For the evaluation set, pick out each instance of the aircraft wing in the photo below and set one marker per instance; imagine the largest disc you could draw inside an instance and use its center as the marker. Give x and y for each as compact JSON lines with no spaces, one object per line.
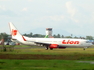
{"x":41,"y":43}
{"x":50,"y":45}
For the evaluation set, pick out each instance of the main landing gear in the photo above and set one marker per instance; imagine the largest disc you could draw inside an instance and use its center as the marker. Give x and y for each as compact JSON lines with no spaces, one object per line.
{"x":48,"y":48}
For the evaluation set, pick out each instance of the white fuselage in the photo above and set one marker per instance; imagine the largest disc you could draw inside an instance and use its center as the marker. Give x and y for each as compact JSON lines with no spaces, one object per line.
{"x":64,"y":42}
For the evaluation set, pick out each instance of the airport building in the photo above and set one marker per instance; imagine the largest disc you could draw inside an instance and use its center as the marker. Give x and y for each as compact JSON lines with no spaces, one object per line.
{"x":49,"y":32}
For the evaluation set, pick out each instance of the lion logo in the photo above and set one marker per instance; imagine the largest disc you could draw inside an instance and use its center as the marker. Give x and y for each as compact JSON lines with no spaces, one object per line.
{"x":14,"y":32}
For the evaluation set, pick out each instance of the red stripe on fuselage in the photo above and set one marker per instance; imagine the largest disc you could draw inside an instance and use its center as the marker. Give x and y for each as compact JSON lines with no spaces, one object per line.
{"x":23,"y":38}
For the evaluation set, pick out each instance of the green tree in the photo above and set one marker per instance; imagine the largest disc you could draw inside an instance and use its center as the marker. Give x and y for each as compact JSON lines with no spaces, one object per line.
{"x":58,"y":36}
{"x":54,"y":36}
{"x":90,"y":37}
{"x":62,"y":36}
{"x":68,"y":37}
{"x":75,"y":37}
{"x":28,"y":35}
{"x":4,"y":36}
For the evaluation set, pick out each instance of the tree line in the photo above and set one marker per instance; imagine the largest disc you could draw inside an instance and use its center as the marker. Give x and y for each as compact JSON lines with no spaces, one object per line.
{"x":6,"y":37}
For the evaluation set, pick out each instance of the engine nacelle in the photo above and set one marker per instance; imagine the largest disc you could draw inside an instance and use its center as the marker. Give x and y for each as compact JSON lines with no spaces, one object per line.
{"x":61,"y":47}
{"x":53,"y":46}
{"x":56,"y":46}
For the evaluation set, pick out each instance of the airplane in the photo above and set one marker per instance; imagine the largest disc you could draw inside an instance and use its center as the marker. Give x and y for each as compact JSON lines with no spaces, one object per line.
{"x":1,"y":41}
{"x":49,"y":42}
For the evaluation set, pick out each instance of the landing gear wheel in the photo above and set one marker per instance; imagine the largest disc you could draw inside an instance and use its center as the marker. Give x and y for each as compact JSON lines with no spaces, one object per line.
{"x":51,"y":48}
{"x":46,"y":48}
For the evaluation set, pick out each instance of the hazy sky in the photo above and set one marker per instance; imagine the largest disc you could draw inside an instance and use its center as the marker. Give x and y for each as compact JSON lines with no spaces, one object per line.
{"x":64,"y":16}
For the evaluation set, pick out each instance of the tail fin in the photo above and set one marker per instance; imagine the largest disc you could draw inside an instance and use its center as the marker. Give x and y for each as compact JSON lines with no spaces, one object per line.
{"x":46,"y":36}
{"x":15,"y":33}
